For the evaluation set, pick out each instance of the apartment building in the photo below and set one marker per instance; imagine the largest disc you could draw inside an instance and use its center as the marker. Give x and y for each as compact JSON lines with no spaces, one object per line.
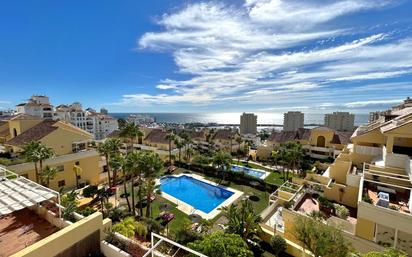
{"x":69,"y":144}
{"x":292,"y":121}
{"x":395,"y":111}
{"x":100,"y":125}
{"x":37,"y":105}
{"x":371,"y":177}
{"x":248,"y":124}
{"x":341,"y":121}
{"x":320,"y":142}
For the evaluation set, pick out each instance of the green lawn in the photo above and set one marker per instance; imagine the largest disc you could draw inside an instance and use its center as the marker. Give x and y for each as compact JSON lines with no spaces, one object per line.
{"x":180,"y":218}
{"x":275,"y":177}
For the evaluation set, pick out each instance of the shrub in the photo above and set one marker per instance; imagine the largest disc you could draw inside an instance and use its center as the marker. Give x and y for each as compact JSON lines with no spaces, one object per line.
{"x":87,"y":211}
{"x":324,"y":202}
{"x":367,"y":199}
{"x":278,"y":244}
{"x":341,"y":211}
{"x":90,"y":191}
{"x":317,"y":215}
{"x":141,"y":229}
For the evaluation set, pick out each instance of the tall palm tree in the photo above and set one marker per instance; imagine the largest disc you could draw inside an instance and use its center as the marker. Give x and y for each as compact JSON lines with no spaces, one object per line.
{"x":239,"y":142}
{"x":179,"y":144}
{"x":170,"y":138}
{"x":47,"y":175}
{"x":30,"y":153}
{"x":77,"y":171}
{"x":117,"y":163}
{"x":131,"y":131}
{"x":222,"y":161}
{"x":153,"y":167}
{"x":107,"y":149}
{"x":44,"y":153}
{"x":135,"y":166}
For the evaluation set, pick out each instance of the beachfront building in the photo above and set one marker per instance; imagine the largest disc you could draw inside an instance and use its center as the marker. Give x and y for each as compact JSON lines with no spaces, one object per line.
{"x":371,"y":178}
{"x":248,"y":124}
{"x":37,"y":105}
{"x":100,"y":125}
{"x":341,"y":121}
{"x":69,"y":144}
{"x":395,"y":111}
{"x":320,"y":143}
{"x":292,"y":121}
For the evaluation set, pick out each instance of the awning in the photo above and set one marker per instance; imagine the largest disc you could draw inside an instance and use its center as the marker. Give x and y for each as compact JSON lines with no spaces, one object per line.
{"x":17,"y":192}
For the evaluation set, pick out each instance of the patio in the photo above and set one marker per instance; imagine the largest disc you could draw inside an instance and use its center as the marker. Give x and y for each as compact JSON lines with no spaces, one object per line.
{"x":21,"y":229}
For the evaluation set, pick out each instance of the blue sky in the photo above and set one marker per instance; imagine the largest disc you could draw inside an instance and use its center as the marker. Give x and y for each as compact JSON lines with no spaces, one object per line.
{"x":191,"y":56}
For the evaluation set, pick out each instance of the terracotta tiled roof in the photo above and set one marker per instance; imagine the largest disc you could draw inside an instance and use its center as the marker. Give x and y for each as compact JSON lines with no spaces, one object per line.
{"x":23,"y":116}
{"x":198,"y":135}
{"x":342,"y":138}
{"x":2,"y":122}
{"x":157,"y":136}
{"x":4,"y":132}
{"x":303,"y":134}
{"x":283,"y":136}
{"x":224,"y":134}
{"x":34,"y":134}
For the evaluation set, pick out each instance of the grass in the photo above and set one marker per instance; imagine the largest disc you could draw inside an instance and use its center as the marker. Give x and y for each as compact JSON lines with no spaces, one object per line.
{"x":180,"y":219}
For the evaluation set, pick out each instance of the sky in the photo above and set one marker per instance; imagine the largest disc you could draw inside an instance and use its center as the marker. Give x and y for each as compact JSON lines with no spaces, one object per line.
{"x":208,"y":56}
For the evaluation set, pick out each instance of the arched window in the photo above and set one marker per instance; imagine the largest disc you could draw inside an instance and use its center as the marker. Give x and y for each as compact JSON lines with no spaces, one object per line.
{"x":14,"y":132}
{"x":321,"y":141}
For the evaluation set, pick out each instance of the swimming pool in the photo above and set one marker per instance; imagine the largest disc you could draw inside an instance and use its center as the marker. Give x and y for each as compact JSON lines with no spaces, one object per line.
{"x":251,"y":172}
{"x":194,"y":192}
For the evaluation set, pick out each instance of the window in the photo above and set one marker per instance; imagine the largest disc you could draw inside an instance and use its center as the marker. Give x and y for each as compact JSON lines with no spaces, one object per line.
{"x":77,"y":163}
{"x":60,"y":168}
{"x":14,"y":132}
{"x":61,"y":183}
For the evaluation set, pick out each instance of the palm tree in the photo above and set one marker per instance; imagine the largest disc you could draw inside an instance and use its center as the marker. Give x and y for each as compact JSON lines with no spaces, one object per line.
{"x":242,"y":220}
{"x":239,"y":142}
{"x":153,"y":165}
{"x":131,"y":131}
{"x":77,"y":171}
{"x":275,"y":157}
{"x":30,"y":153}
{"x":222,"y":161}
{"x":179,"y":144}
{"x":170,"y":137}
{"x":44,"y":153}
{"x":47,"y":175}
{"x":109,"y":148}
{"x":117,"y":163}
{"x":135,"y":166}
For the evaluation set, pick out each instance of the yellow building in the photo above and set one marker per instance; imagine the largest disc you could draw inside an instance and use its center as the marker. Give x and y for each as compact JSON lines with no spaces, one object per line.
{"x":371,"y":178}
{"x":320,"y":143}
{"x":65,"y":140}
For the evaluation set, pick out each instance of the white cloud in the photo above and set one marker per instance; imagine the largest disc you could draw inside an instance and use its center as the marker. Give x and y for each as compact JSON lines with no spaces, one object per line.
{"x":372,"y":102}
{"x":260,"y":49}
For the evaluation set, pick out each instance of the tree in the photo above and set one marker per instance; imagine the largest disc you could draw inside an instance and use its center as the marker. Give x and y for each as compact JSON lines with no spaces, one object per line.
{"x":219,"y":244}
{"x":238,"y":151}
{"x":117,"y":163}
{"x":47,"y":175}
{"x":201,"y":160}
{"x":125,"y":227}
{"x":242,"y":219}
{"x":44,"y":153}
{"x":179,"y":144}
{"x":135,"y":167}
{"x":153,"y":165}
{"x":319,"y":238}
{"x":30,"y":153}
{"x":222,"y":161}
{"x":107,"y":149}
{"x":278,"y":244}
{"x":170,"y":138}
{"x":131,"y":131}
{"x":389,"y":252}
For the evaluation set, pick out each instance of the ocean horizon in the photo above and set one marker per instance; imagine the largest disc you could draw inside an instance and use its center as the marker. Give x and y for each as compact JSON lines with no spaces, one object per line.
{"x":231,"y":118}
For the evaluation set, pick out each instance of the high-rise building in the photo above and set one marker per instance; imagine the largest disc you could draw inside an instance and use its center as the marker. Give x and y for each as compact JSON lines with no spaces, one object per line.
{"x":37,"y":105}
{"x":341,"y":121}
{"x":293,"y":121}
{"x":248,"y":123}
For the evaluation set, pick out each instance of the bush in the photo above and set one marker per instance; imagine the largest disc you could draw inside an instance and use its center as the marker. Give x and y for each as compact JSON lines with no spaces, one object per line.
{"x":341,"y":211}
{"x":325,"y":203}
{"x":367,"y":199}
{"x":90,"y":191}
{"x":278,"y":244}
{"x":141,"y":229}
{"x":317,"y":215}
{"x":87,"y":211}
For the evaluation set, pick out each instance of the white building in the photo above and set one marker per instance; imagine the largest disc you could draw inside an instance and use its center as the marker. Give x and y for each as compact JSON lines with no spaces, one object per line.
{"x":98,"y":124}
{"x":292,"y":121}
{"x":37,"y":105}
{"x":248,"y":123}
{"x":341,"y":121}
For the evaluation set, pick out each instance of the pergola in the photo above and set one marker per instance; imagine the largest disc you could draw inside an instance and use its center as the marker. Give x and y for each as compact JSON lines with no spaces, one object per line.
{"x":156,"y":247}
{"x":18,"y":192}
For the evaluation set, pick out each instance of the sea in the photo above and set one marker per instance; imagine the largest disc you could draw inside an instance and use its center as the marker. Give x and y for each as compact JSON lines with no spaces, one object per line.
{"x":232,"y":118}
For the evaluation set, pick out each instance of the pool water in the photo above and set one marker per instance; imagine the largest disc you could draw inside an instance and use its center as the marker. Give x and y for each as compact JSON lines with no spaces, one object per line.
{"x":200,"y":195}
{"x":251,"y":172}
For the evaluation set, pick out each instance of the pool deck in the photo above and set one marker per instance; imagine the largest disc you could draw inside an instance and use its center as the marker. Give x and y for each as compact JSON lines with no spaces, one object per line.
{"x":188,"y":209}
